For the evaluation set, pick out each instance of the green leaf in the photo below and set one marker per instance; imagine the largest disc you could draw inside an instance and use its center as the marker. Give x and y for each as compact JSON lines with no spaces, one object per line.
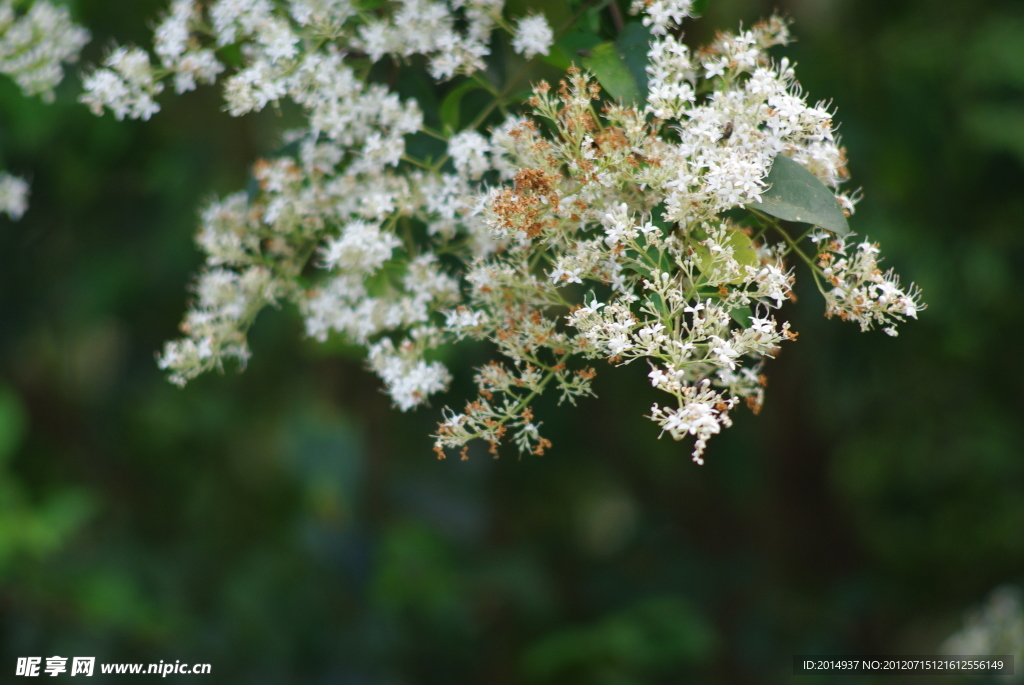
{"x":633,"y":44}
{"x":699,"y":7}
{"x":611,"y":71}
{"x":570,"y":49}
{"x":450,"y":105}
{"x":742,"y":251}
{"x":640,"y":269}
{"x":741,"y":316}
{"x":795,"y":194}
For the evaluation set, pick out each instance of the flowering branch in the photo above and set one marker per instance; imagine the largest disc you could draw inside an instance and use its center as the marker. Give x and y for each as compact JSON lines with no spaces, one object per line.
{"x":600,"y":228}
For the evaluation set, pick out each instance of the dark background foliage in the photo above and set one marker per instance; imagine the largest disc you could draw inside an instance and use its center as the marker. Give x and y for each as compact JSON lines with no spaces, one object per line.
{"x":286,"y":525}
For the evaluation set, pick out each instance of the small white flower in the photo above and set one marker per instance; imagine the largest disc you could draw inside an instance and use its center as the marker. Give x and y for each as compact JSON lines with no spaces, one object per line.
{"x":361,"y":247}
{"x":533,"y":36}
{"x":13,"y":195}
{"x":619,"y":344}
{"x":715,"y":68}
{"x":468,"y":151}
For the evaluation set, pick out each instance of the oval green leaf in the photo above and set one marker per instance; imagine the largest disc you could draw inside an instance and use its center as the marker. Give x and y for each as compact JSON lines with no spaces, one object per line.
{"x":741,"y":316}
{"x":570,"y":49}
{"x":633,"y":44}
{"x":742,"y":251}
{"x":795,"y":194}
{"x":611,"y":71}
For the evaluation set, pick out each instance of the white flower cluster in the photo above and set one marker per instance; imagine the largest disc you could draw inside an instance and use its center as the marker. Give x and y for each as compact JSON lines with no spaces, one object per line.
{"x":662,"y":15}
{"x":995,"y":627}
{"x":35,"y":45}
{"x":860,"y":291}
{"x":409,"y":379}
{"x":326,"y":208}
{"x":13,"y":195}
{"x":754,"y":113}
{"x":533,"y":36}
{"x":430,"y":28}
{"x":622,"y":217}
{"x":226,"y":302}
{"x":127,"y":86}
{"x":592,"y":236}
{"x":180,"y":55}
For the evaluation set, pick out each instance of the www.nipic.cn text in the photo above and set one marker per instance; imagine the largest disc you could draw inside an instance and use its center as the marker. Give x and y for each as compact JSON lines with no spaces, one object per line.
{"x":32,"y":666}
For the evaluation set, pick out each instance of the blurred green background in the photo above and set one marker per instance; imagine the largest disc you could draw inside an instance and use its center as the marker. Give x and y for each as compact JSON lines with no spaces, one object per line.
{"x":287,"y":526}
